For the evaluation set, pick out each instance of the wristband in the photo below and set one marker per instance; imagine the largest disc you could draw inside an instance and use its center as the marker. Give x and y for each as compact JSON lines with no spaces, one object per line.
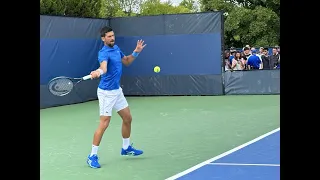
{"x":135,"y":54}
{"x":100,"y":71}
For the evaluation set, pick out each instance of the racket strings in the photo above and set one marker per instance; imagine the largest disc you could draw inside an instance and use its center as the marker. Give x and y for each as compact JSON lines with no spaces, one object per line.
{"x":61,"y":86}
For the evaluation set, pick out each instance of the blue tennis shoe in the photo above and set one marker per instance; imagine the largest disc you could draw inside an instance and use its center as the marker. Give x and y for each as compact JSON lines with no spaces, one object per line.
{"x":131,"y":151}
{"x":92,"y":161}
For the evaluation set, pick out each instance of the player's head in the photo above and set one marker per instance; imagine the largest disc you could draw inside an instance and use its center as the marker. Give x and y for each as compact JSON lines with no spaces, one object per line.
{"x":107,"y":36}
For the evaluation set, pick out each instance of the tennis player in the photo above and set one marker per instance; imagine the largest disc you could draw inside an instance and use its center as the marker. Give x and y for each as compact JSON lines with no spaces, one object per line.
{"x":110,"y":93}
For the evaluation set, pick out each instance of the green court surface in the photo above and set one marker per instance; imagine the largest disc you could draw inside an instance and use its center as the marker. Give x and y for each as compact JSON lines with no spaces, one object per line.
{"x":175,"y":133}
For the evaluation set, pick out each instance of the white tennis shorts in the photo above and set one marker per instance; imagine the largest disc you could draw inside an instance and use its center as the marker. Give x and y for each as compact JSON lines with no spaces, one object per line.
{"x":111,"y":100}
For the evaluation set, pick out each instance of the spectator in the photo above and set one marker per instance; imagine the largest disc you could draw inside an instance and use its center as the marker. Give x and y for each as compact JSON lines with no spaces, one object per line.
{"x":257,"y":54}
{"x":278,"y":66}
{"x":246,"y":52}
{"x":274,"y":58}
{"x":232,"y":53}
{"x":227,"y":64}
{"x":248,"y":46}
{"x":261,"y":49}
{"x":237,"y":62}
{"x":265,"y":59}
{"x":245,"y":55}
{"x":254,"y":61}
{"x":278,"y":49}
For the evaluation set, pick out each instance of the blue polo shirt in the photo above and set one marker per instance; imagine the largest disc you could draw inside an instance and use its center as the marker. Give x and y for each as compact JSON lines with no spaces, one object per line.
{"x":230,"y":59}
{"x":113,"y":56}
{"x":254,"y":61}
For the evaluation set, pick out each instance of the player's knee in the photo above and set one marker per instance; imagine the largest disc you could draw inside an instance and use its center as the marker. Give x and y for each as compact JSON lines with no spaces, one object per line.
{"x":127,"y":119}
{"x":104,"y":121}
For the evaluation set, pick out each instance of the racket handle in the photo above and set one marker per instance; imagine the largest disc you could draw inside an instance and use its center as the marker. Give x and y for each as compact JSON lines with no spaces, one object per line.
{"x":87,"y":77}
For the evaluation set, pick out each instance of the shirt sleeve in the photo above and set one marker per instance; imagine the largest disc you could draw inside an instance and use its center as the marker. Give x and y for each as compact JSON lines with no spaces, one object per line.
{"x":103,"y":56}
{"x":121,"y":54}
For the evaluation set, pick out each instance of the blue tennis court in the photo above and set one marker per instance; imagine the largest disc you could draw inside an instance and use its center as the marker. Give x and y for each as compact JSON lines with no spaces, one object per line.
{"x":256,"y":159}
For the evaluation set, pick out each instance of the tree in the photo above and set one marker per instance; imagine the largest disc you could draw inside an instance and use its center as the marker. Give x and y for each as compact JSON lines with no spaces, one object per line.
{"x":254,"y":22}
{"x":83,"y":8}
{"x":52,"y":7}
{"x":155,"y":7}
{"x":111,"y":8}
{"x":214,"y":5}
{"x":257,"y":27}
{"x":120,"y":8}
{"x":189,"y":4}
{"x":274,"y":5}
{"x":77,"y":8}
{"x":130,"y":7}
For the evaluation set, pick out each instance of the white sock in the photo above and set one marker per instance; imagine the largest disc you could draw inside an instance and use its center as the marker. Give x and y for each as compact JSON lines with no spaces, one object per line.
{"x":94,"y":150}
{"x":126,"y":143}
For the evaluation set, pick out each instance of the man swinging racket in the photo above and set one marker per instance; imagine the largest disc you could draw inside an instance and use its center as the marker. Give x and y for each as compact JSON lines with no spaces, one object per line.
{"x":110,"y":93}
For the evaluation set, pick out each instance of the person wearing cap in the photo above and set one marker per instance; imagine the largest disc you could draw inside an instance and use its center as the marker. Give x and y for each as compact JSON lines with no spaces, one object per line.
{"x":257,"y":54}
{"x":248,"y":46}
{"x":254,"y":61}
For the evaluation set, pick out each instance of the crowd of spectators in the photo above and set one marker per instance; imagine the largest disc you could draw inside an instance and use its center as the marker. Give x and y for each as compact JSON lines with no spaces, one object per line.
{"x":249,"y":58}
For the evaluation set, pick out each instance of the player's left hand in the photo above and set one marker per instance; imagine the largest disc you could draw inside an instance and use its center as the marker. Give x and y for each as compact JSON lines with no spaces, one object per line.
{"x":140,"y":46}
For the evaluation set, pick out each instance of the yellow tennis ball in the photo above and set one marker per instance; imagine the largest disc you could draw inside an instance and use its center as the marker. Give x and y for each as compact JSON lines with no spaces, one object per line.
{"x":156,"y":69}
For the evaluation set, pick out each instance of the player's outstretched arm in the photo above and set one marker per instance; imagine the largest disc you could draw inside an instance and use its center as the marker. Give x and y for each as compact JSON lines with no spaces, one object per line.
{"x":127,"y":60}
{"x":101,"y":70}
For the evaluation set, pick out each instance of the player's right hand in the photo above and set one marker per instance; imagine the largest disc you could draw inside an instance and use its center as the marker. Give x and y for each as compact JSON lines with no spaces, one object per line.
{"x":95,"y":74}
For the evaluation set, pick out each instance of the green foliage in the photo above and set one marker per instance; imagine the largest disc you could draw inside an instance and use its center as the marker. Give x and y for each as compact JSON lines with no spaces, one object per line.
{"x":83,"y":8}
{"x":216,"y":5}
{"x":189,"y":4}
{"x":130,"y":7}
{"x":52,"y":7}
{"x":155,"y":7}
{"x":257,"y":27}
{"x":253,"y":22}
{"x":111,"y":8}
{"x":77,"y":8}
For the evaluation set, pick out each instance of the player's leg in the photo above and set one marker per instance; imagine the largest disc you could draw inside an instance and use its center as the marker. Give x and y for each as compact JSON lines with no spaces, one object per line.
{"x":122,"y":107}
{"x":126,"y":126}
{"x":106,"y":103}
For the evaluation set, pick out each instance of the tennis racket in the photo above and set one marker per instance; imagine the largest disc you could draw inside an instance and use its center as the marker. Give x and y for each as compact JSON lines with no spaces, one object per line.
{"x":61,"y":86}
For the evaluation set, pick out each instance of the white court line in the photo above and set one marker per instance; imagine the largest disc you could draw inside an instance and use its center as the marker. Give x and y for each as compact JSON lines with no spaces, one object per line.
{"x":221,"y":155}
{"x":242,"y":164}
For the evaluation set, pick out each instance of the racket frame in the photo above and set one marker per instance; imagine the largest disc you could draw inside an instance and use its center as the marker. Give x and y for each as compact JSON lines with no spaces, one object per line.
{"x":78,"y":80}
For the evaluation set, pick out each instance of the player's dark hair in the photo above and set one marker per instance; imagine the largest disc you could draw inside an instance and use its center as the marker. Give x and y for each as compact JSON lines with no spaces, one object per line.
{"x":105,"y":30}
